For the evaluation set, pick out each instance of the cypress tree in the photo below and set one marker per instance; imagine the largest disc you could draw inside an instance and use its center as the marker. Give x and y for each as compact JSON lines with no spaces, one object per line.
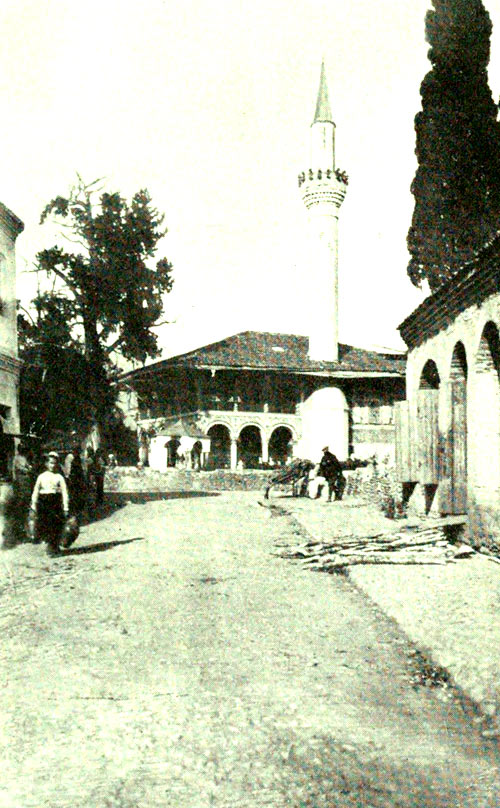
{"x":457,"y":183}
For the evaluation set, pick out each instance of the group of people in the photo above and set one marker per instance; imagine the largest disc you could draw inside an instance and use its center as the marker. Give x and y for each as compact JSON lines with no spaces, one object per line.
{"x":61,"y":490}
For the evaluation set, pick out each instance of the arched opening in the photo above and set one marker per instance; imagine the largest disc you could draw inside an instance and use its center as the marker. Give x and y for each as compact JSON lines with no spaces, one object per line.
{"x":325,"y":422}
{"x":280,"y":446}
{"x":484,"y":463}
{"x":428,"y":442}
{"x":429,"y":378}
{"x":457,"y":435}
{"x":196,"y":455}
{"x":250,"y":447}
{"x":220,"y":447}
{"x":172,"y":447}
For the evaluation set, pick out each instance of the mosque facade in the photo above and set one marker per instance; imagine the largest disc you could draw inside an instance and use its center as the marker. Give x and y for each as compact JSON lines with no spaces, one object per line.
{"x":257,"y":398}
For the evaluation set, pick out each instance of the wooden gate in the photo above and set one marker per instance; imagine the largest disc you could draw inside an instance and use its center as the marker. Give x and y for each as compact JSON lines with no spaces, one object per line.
{"x":427,"y":433}
{"x":453,"y":454}
{"x":406,"y":467}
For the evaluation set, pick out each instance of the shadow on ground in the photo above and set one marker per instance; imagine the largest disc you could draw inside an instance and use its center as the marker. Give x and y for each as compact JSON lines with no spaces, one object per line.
{"x":95,"y":513}
{"x":115,"y":501}
{"x":99,"y":548}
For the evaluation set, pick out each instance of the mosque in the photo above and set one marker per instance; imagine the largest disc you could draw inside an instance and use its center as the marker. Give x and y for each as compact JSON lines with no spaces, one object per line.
{"x":259,"y":398}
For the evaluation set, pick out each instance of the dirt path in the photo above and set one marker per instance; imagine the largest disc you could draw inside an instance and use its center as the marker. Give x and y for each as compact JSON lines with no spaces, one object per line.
{"x":171,"y":660}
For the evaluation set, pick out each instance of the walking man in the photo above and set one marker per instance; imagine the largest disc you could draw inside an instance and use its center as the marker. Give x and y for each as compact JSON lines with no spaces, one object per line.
{"x":331,"y":469}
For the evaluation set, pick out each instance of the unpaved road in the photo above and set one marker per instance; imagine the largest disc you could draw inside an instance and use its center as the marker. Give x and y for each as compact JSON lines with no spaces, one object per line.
{"x":171,"y":660}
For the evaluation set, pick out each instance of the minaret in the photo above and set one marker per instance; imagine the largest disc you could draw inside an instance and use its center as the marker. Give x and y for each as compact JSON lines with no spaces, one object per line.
{"x":323,"y":189}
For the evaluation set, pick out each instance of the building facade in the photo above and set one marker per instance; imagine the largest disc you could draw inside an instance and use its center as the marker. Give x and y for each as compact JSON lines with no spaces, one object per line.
{"x":10,"y":228}
{"x":448,"y":445}
{"x":262,"y":398}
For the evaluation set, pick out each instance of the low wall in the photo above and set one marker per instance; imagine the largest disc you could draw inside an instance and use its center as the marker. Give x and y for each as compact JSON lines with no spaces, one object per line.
{"x":375,"y":484}
{"x":131,"y":479}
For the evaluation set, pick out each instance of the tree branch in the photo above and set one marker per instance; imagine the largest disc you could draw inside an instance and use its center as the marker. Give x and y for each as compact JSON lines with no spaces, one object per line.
{"x":65,"y":279}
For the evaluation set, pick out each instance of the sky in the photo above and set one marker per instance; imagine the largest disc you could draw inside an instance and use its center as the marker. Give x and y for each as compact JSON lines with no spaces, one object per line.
{"x":208,"y":105}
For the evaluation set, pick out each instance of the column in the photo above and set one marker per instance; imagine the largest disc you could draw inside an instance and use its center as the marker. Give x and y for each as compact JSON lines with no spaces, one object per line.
{"x":234,"y":454}
{"x":265,"y":446}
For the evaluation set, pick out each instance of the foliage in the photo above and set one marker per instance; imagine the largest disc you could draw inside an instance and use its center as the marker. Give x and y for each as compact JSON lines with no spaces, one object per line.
{"x":457,"y":183}
{"x":55,"y":375}
{"x":105,"y":298}
{"x":378,"y":486}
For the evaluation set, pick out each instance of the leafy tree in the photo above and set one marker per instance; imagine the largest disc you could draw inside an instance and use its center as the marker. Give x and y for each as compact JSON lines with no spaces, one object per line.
{"x":105,"y":297}
{"x":457,"y":183}
{"x":55,"y":375}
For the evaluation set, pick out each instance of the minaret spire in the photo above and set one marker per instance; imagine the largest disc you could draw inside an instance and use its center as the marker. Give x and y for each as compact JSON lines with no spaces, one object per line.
{"x":323,"y":111}
{"x":323,"y":189}
{"x":323,"y":129}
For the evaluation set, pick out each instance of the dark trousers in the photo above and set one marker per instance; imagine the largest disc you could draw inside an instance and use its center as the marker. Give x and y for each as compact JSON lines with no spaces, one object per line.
{"x":336,"y":486}
{"x":99,"y":488}
{"x":50,"y":520}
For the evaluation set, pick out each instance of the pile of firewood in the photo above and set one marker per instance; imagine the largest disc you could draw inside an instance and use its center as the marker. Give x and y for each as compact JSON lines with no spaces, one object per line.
{"x":422,"y":545}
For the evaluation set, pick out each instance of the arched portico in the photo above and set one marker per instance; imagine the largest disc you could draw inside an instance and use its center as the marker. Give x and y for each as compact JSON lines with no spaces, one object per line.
{"x":484,"y":443}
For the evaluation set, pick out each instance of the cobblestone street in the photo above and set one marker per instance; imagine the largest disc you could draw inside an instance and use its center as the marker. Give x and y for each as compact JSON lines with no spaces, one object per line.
{"x":170,"y":659}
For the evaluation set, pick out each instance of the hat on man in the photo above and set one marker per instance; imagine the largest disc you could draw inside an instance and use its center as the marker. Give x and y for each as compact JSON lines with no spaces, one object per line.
{"x":53,"y":454}
{"x":324,"y":449}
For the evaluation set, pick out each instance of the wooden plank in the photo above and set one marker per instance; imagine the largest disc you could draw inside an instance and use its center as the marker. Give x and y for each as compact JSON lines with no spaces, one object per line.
{"x":459,"y":448}
{"x":405,"y":468}
{"x":427,"y":436}
{"x":446,"y":463}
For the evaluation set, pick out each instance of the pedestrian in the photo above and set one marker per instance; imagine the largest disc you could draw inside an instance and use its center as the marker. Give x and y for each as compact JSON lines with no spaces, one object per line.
{"x":331,"y":469}
{"x":97,"y":471}
{"x":22,"y":472}
{"x":50,"y":503}
{"x":76,"y":484}
{"x":68,"y":463}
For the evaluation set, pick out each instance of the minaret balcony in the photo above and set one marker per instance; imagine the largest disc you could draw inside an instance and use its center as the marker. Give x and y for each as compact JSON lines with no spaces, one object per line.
{"x":322,"y":175}
{"x":323,"y":187}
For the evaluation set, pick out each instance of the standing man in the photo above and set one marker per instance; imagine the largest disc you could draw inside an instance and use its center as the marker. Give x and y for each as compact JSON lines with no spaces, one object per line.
{"x":331,"y":469}
{"x":98,"y":471}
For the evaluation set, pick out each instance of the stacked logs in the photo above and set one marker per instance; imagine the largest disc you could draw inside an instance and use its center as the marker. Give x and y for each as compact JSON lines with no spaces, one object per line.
{"x":411,"y":546}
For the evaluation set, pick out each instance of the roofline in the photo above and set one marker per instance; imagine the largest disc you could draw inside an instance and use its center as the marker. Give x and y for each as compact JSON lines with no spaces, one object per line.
{"x":12,"y":221}
{"x":467,"y":288}
{"x":348,"y":374}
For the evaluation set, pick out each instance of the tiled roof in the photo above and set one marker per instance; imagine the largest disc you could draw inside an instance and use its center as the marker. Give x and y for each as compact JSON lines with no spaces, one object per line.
{"x":468,"y":288}
{"x":287,"y":352}
{"x":180,"y":426}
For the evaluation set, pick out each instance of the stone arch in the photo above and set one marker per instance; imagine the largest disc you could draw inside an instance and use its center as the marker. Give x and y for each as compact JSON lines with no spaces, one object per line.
{"x":485,"y":428}
{"x":220,"y":422}
{"x":429,"y":376}
{"x":430,"y":444}
{"x":172,"y":447}
{"x":457,"y":433}
{"x":280,"y":445}
{"x":250,"y":444}
{"x":220,"y":446}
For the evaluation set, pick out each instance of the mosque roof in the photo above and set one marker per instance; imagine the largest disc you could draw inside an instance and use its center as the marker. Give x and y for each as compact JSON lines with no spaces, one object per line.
{"x":258,"y":350}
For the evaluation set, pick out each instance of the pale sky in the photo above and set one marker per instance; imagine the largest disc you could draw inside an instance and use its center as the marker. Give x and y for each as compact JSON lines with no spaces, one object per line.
{"x":208,"y":105}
